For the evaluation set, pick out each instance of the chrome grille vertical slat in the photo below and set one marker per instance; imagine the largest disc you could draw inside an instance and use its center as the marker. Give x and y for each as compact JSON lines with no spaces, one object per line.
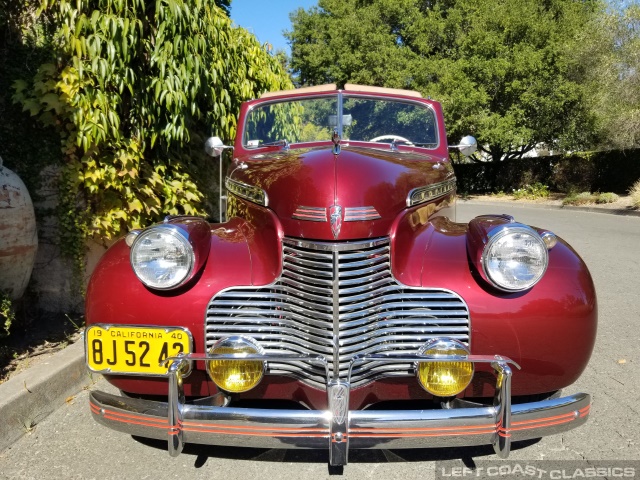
{"x":337,"y":300}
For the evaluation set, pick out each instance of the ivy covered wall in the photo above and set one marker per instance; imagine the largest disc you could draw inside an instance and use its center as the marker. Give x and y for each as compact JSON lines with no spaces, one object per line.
{"x":106,"y":105}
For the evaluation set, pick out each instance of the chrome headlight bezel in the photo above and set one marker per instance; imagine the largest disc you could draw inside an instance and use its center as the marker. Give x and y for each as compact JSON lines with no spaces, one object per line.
{"x":499,"y":234}
{"x":173,"y":232}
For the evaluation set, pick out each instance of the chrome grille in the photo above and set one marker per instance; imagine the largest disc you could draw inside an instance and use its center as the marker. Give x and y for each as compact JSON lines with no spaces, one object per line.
{"x":338,"y":300}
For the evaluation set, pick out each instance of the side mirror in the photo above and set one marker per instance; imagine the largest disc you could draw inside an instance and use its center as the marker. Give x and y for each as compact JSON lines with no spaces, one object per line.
{"x":467,"y":146}
{"x":214,"y":146}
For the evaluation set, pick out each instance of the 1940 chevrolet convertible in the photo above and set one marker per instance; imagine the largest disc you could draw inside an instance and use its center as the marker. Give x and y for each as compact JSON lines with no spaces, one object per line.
{"x":340,"y":306}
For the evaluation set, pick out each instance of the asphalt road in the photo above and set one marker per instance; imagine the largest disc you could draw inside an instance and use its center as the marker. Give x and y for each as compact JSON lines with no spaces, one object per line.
{"x":69,"y":445}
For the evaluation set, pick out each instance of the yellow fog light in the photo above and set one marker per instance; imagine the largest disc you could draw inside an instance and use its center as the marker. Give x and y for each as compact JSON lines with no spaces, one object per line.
{"x":239,"y":375}
{"x":444,"y":379}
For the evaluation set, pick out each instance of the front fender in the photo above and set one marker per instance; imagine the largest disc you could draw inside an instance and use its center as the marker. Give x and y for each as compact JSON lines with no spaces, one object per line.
{"x":116,"y":296}
{"x":549,"y":329}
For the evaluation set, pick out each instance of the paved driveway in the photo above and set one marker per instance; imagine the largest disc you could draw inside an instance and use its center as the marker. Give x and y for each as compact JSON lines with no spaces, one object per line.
{"x":610,"y":245}
{"x":68,"y":444}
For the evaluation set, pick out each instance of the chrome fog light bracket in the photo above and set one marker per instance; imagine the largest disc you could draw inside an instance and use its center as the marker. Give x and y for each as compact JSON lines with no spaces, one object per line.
{"x":176,"y":398}
{"x":502,"y":397}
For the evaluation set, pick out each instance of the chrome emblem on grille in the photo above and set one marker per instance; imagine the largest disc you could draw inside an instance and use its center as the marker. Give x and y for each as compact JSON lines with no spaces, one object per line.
{"x":339,"y":402}
{"x":335,"y":213}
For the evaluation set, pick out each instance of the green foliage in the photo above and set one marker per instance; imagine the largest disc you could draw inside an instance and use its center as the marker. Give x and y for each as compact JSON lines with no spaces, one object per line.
{"x":531,"y":192}
{"x":609,"y":52}
{"x":7,"y":314}
{"x":134,"y":89}
{"x":634,"y":192}
{"x":581,"y":198}
{"x":604,"y":171}
{"x":504,"y":71}
{"x":25,"y":43}
{"x":607,"y":197}
{"x":499,"y":194}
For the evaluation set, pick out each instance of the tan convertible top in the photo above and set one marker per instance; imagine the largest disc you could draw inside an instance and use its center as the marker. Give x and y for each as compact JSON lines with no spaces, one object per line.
{"x":351,"y":87}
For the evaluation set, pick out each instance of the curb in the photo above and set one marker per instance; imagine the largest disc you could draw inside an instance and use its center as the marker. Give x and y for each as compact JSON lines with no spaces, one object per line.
{"x":609,"y":211}
{"x":33,"y":394}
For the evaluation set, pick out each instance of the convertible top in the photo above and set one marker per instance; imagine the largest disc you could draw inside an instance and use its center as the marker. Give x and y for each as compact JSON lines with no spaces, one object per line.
{"x":351,"y":87}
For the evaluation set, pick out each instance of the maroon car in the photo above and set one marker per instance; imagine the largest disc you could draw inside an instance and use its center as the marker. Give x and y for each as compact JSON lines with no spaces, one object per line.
{"x":341,"y":306}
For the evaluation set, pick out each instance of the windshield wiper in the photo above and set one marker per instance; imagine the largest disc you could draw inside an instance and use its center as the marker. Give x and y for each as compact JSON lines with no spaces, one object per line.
{"x":278,"y":143}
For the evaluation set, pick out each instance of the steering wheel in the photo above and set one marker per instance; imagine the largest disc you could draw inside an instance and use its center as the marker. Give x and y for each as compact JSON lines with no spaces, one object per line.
{"x":396,"y":138}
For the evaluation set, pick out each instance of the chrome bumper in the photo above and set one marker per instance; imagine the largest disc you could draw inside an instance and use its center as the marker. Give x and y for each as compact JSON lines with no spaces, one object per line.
{"x":337,"y":428}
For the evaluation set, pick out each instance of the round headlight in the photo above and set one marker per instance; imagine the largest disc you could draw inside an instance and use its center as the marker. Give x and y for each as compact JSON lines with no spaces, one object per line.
{"x":162,"y":257}
{"x":444,"y":379}
{"x":515,"y":258}
{"x":236,"y":376}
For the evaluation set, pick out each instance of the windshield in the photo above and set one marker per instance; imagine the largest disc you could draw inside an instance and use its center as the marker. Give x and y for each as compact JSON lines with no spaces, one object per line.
{"x":363,"y":119}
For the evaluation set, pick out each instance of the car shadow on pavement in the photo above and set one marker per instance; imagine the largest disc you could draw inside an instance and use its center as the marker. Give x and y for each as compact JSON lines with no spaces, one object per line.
{"x":202,"y":453}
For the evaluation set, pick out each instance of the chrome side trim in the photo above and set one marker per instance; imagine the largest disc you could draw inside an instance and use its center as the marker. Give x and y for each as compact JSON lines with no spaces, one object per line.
{"x":248,"y":192}
{"x":351,"y":214}
{"x":311,"y":214}
{"x":357,"y":214}
{"x":430,"y":192}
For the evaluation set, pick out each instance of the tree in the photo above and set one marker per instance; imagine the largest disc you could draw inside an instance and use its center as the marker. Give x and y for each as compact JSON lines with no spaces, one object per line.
{"x":611,"y":54}
{"x":133,"y":89}
{"x":503,"y":70}
{"x":25,"y":146}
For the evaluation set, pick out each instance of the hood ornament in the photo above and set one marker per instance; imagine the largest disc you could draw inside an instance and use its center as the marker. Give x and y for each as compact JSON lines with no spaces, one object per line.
{"x":335,"y":216}
{"x":335,"y":138}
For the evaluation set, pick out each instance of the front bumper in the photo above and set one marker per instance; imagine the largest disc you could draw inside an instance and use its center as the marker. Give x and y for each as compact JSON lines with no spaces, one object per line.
{"x":211,"y":422}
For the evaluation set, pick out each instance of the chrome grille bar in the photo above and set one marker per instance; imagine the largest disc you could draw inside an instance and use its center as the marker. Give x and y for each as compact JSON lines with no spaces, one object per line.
{"x":338,"y":300}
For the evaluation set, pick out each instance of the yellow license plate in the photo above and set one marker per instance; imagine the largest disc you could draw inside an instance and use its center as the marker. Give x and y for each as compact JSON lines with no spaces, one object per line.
{"x":134,"y":350}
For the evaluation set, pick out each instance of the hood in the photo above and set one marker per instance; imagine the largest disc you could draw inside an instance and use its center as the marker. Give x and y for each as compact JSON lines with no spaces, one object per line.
{"x":364,"y":189}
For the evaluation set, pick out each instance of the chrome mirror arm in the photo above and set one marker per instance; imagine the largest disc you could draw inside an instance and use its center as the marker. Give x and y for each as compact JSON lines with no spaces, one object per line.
{"x":467,"y":146}
{"x":214,"y":146}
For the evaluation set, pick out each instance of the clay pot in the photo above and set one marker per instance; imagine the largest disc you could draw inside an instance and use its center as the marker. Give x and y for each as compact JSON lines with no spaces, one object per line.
{"x":18,"y":234}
